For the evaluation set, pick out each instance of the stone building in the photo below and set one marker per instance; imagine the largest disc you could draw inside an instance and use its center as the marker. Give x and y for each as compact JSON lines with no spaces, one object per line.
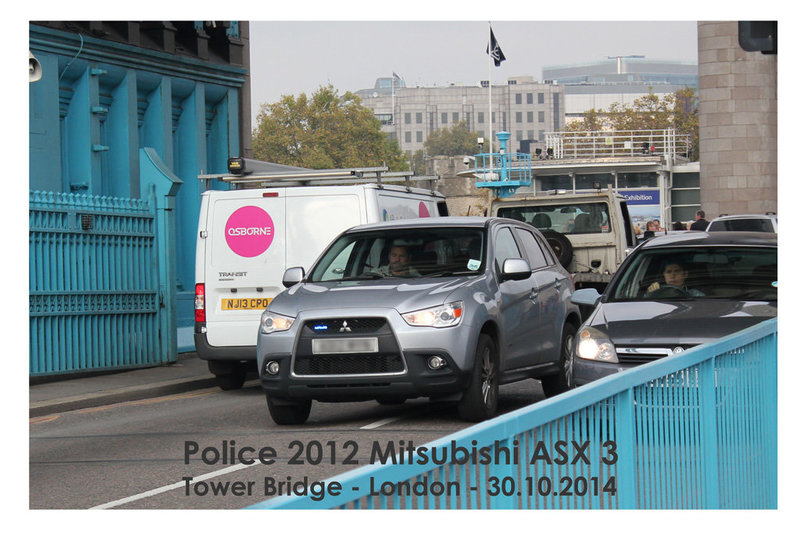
{"x":738,"y":123}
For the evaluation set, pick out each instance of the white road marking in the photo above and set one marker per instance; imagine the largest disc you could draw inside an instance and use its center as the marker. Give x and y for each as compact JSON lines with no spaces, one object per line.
{"x":177,"y":485}
{"x":382,"y":422}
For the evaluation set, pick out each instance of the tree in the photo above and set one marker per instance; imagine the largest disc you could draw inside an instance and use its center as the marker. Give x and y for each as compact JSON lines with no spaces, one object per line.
{"x":326,"y":131}
{"x":650,"y":112}
{"x":454,"y":141}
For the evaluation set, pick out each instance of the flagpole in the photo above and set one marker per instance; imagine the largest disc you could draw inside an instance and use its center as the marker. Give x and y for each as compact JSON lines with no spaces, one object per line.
{"x":393,"y":124}
{"x":491,"y":125}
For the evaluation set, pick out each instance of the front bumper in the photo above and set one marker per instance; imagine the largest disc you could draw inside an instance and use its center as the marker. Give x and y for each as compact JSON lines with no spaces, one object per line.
{"x":585,"y":371}
{"x":413,"y":379}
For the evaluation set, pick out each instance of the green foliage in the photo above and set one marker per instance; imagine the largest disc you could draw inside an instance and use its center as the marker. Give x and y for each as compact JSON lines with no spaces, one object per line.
{"x":326,"y":131}
{"x":650,"y":112}
{"x":454,"y":141}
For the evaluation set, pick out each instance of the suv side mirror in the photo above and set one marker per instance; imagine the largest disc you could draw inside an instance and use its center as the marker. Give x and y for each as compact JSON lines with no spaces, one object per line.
{"x":586,"y":297}
{"x":293,"y":275}
{"x":515,"y":269}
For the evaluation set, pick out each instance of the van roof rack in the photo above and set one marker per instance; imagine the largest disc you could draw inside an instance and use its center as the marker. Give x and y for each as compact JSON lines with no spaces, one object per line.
{"x":306,"y":177}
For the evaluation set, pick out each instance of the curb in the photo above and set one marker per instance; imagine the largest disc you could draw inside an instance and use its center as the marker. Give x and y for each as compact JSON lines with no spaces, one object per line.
{"x":92,"y":400}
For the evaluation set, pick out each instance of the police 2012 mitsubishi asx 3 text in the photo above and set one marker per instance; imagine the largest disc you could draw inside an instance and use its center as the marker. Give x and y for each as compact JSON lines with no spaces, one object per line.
{"x":446,"y":308}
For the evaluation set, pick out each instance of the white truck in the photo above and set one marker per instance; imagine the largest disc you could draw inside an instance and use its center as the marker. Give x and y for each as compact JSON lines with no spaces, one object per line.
{"x":249,"y":236}
{"x":590,"y":232}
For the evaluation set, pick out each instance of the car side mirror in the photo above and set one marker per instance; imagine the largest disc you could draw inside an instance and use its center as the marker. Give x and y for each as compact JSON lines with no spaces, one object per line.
{"x":515,"y":269}
{"x":586,"y":297}
{"x":293,"y":275}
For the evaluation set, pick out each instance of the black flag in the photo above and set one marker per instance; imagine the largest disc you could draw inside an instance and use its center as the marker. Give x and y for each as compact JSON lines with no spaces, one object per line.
{"x":493,"y":49}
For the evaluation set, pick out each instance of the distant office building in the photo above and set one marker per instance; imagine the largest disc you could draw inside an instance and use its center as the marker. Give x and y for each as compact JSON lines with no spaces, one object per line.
{"x":621,"y":79}
{"x":523,"y":107}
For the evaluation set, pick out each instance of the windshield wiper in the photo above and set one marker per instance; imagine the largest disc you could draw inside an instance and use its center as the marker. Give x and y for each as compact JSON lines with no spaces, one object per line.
{"x":363,"y":276}
{"x":447,"y":273}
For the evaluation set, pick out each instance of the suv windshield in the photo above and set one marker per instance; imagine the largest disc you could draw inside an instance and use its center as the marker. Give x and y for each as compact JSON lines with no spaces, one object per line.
{"x":402,"y":253}
{"x":568,"y":218}
{"x":728,"y":272}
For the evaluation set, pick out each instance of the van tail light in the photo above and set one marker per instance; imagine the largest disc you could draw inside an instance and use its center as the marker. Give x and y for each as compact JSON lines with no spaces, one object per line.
{"x":200,"y":303}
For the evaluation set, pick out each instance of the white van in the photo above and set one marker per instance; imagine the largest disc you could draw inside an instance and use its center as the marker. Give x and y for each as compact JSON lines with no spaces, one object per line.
{"x":247,"y":238}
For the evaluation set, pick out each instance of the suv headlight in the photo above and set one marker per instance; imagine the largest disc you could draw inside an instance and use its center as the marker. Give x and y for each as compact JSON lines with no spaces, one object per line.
{"x":273,"y":322}
{"x":438,"y":316}
{"x":594,"y":345}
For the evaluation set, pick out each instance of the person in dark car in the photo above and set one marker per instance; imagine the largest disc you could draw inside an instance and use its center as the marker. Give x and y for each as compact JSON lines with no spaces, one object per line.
{"x":675,"y":275}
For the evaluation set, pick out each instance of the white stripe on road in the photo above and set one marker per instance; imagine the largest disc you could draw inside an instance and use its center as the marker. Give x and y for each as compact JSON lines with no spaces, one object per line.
{"x":382,"y":422}
{"x":171,"y":487}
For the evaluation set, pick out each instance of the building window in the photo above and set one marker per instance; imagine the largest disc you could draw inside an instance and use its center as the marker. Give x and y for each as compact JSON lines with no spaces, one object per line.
{"x":480,"y":133}
{"x":541,"y":98}
{"x":480,"y":117}
{"x":518,"y":116}
{"x":455,"y":117}
{"x":467,"y":117}
{"x":637,"y":179}
{"x":529,"y":97}
{"x":444,"y":118}
{"x":530,"y":116}
{"x":518,"y":98}
{"x":541,"y":116}
{"x":407,"y":118}
{"x":530,"y":135}
{"x":519,"y":135}
{"x":408,"y":137}
{"x":419,"y":118}
{"x":419,"y":137}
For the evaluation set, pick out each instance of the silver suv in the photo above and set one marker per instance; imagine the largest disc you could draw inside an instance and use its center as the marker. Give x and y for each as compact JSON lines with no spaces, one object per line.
{"x":446,"y":308}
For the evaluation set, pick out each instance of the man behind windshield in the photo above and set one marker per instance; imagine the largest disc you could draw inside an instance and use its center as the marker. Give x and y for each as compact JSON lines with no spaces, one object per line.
{"x":399,"y":263}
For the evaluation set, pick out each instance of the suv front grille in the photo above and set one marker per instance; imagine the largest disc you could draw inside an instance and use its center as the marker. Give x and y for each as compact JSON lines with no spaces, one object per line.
{"x":386,"y":360}
{"x":348,"y":364}
{"x":359,"y":325}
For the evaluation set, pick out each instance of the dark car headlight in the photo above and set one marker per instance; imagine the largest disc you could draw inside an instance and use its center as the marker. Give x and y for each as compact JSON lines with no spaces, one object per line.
{"x":594,"y":345}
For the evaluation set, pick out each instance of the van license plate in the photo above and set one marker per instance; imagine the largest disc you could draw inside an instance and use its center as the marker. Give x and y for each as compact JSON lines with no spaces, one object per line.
{"x":245,"y":304}
{"x":344,"y":346}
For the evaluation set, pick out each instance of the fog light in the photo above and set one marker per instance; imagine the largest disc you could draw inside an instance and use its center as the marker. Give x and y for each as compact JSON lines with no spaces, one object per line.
{"x":273,"y":368}
{"x":436,"y":362}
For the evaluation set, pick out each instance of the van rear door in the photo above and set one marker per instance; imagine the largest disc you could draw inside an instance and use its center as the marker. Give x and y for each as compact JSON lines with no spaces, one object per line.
{"x":245,"y":262}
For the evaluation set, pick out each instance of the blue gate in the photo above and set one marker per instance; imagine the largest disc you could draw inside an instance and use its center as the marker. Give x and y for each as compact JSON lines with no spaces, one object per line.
{"x":695,"y":430}
{"x":94,"y":283}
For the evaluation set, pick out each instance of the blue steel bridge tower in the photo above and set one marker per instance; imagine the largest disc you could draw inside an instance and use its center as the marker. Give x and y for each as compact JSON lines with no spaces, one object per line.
{"x":125,"y":116}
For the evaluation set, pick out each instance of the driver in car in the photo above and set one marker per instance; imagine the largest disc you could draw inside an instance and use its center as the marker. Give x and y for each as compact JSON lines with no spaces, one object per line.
{"x":674,"y":277}
{"x":399,"y":258}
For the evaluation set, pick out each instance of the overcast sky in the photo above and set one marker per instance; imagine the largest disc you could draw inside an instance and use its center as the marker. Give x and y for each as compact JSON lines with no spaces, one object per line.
{"x":298,"y":57}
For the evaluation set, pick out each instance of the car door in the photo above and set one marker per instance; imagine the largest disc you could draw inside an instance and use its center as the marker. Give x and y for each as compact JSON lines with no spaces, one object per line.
{"x":518,"y":309}
{"x":548,"y":281}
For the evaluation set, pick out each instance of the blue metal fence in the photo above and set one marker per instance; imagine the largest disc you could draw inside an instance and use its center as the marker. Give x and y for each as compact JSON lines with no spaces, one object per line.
{"x":696,"y":430}
{"x":94,"y":283}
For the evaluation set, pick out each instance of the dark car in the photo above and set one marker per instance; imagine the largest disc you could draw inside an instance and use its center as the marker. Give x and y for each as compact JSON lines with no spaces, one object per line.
{"x":445,"y":308}
{"x":674,"y":293}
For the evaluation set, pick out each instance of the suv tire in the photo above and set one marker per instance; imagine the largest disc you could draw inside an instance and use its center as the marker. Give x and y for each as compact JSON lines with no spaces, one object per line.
{"x":288,"y":412}
{"x":562,"y":381}
{"x":480,"y":399}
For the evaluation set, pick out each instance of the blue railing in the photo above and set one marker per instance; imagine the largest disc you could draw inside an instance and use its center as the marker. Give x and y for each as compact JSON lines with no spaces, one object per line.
{"x":94,"y":283}
{"x":695,"y":430}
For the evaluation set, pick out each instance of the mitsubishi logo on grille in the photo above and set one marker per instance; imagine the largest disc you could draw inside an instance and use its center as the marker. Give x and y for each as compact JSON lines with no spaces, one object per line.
{"x":345,"y":328}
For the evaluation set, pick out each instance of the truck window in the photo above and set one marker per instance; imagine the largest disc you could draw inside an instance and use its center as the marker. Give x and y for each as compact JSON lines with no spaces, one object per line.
{"x":567,"y":218}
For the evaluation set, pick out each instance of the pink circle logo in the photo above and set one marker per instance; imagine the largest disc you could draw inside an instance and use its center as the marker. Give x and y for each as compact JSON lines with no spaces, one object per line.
{"x":423,"y":210}
{"x":249,"y":231}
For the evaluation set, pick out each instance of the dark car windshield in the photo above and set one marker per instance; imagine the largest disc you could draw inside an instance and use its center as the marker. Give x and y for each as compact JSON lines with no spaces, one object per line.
{"x":403,"y":253}
{"x":727,"y":272}
{"x":567,"y":218}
